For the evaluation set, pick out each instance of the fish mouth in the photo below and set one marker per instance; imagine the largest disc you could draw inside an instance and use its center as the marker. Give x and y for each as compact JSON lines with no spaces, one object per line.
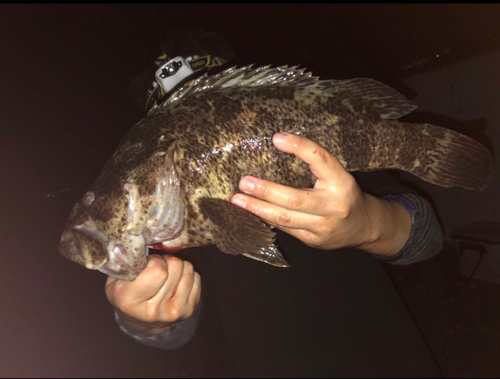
{"x":82,"y":249}
{"x":95,"y":251}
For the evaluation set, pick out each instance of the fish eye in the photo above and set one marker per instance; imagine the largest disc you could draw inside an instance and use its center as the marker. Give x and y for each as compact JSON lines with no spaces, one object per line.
{"x":88,"y":198}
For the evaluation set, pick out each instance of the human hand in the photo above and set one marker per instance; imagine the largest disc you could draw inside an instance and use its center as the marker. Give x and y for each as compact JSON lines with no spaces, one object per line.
{"x":165,"y":292}
{"x":335,"y":213}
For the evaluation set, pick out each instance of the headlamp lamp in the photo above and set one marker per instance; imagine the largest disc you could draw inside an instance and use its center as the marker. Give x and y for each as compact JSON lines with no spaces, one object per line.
{"x":171,"y":73}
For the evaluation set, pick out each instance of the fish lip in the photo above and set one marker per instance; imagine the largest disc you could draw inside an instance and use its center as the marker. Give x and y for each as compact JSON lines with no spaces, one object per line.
{"x":93,"y":232}
{"x":120,"y":275}
{"x":70,"y":247}
{"x":124,"y":270}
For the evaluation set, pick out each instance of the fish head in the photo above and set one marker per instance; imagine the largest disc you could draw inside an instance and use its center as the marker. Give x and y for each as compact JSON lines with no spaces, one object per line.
{"x":105,"y":240}
{"x":113,"y":224}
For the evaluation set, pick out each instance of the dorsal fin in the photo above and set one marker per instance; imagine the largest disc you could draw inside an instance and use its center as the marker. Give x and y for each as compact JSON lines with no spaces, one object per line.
{"x":358,"y":95}
{"x":368,"y":95}
{"x":242,"y":77}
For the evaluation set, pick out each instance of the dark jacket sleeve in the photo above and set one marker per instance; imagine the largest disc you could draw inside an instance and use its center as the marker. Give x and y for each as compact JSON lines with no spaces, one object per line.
{"x":426,"y":237}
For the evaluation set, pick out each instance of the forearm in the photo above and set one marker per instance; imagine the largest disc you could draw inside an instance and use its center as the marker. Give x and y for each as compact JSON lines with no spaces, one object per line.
{"x":389,"y":226}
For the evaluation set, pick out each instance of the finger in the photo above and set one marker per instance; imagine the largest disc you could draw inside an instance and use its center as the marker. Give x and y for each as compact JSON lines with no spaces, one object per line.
{"x":154,"y":307}
{"x":189,"y":291}
{"x":305,"y":200}
{"x":177,"y":306}
{"x":274,"y":214}
{"x":323,"y":165}
{"x":185,"y":285}
{"x":194,"y":295}
{"x":145,"y":286}
{"x":175,"y":271}
{"x":109,"y":289}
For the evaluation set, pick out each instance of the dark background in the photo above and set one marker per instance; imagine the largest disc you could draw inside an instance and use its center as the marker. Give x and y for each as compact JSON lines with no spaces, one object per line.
{"x":64,"y":74}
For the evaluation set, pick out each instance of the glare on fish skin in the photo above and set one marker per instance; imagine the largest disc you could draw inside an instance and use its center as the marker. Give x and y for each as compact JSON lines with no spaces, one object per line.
{"x":228,"y":147}
{"x":218,"y":149}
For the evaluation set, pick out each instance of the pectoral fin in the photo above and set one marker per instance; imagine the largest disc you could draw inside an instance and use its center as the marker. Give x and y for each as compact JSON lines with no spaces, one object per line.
{"x":237,"y":231}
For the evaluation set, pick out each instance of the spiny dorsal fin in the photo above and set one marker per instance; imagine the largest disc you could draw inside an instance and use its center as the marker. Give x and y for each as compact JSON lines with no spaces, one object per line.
{"x":358,"y":95}
{"x":243,"y":77}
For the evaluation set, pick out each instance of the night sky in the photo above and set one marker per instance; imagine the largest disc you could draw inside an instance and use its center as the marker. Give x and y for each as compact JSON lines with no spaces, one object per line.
{"x":64,"y":75}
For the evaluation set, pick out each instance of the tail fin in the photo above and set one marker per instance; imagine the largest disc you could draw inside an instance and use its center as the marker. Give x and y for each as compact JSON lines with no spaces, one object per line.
{"x":449,"y":159}
{"x":437,"y":155}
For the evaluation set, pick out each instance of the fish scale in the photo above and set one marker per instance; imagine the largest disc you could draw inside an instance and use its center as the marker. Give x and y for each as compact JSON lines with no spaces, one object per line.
{"x":169,"y":181}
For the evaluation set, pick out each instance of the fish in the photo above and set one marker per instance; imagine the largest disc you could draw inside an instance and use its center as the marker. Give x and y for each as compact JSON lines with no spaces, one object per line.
{"x":169,"y":182}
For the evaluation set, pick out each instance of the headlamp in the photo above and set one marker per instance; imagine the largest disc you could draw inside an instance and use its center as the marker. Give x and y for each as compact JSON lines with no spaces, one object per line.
{"x":172,"y":73}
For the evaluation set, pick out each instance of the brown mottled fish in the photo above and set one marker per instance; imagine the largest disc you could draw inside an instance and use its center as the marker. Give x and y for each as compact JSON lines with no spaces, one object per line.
{"x":169,"y":182}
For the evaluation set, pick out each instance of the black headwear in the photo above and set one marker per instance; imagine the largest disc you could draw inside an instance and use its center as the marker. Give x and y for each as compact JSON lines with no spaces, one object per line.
{"x":183,"y":55}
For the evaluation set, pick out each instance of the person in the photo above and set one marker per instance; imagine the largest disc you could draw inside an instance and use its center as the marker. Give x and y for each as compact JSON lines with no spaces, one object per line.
{"x":334,"y":312}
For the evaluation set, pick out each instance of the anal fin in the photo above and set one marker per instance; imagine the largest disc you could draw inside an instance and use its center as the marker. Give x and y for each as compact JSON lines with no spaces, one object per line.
{"x":237,"y":231}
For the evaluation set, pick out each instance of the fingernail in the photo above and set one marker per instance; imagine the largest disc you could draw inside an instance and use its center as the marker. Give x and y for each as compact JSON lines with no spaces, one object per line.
{"x":247,"y":184}
{"x":239,"y":201}
{"x":280,"y":137}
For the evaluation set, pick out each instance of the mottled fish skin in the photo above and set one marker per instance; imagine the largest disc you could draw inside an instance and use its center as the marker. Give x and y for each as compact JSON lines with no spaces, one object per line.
{"x":217,"y":129}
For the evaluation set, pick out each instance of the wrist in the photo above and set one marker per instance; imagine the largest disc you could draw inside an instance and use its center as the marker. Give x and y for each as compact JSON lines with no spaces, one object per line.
{"x":389,"y":226}
{"x":142,"y":327}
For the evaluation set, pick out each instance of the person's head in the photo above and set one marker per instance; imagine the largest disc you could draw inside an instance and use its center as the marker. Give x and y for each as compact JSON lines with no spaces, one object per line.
{"x":184,"y":54}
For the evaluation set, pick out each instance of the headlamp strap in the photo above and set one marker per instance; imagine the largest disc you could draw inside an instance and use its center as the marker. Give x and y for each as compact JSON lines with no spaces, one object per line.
{"x":200,"y":63}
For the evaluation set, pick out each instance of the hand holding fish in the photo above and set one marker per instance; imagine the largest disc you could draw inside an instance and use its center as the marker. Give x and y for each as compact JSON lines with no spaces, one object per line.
{"x":165,"y":292}
{"x":333,"y":214}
